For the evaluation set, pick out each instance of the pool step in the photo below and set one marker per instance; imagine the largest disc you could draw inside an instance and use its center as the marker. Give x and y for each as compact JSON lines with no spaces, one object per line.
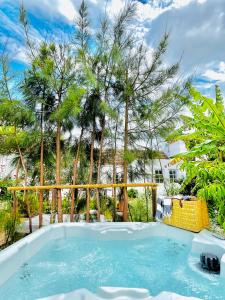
{"x":119,"y":293}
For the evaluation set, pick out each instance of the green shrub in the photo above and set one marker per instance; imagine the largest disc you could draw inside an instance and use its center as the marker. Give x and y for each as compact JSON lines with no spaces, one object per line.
{"x":139,"y":210}
{"x":93,"y":204}
{"x":132,"y":193}
{"x":173,"y":189}
{"x":9,"y":224}
{"x":221,"y":215}
{"x":33,"y":201}
{"x":66,"y":206}
{"x":46,"y":207}
{"x":108,"y":215}
{"x":4,"y":194}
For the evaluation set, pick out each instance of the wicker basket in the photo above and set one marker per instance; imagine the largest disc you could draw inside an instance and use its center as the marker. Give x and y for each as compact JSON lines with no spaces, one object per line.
{"x":190,"y":215}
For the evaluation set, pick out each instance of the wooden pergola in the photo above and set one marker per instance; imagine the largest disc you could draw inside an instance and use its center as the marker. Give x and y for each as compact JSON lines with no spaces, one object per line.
{"x":56,"y":188}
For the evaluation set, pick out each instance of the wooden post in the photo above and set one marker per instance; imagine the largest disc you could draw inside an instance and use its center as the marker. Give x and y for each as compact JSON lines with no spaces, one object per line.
{"x":154,"y":202}
{"x":27,"y":201}
{"x":60,"y":213}
{"x":72,"y":205}
{"x":125,"y":205}
{"x":98,"y":204}
{"x":88,"y":206}
{"x":40,"y":210}
{"x":114,"y":202}
{"x":15,"y":204}
{"x":53,"y":208}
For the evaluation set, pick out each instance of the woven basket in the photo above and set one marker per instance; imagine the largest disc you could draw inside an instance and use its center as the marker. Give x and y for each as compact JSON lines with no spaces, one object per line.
{"x":190,"y":215}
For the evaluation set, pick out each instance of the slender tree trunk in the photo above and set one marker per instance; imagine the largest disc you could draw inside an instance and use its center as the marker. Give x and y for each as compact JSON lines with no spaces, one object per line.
{"x":25,"y":192}
{"x":15,"y":201}
{"x":41,"y":172}
{"x":99,"y":168}
{"x":75,"y":170}
{"x":125,"y":170}
{"x":90,"y":174}
{"x":58,"y":173}
{"x":53,"y":206}
{"x":152,"y":167}
{"x":160,"y":162}
{"x":114,"y":169}
{"x":146,"y":190}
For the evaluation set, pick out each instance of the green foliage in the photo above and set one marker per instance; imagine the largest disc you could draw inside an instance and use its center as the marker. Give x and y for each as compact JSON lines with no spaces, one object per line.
{"x":139,"y":210}
{"x":4,"y":194}
{"x":108,"y":215}
{"x":15,"y":113}
{"x":172,"y":189}
{"x":93,"y":204}
{"x":129,"y":156}
{"x":46,"y":207}
{"x":132,"y":193}
{"x":204,"y":135}
{"x":32,"y":199}
{"x":9,"y":223}
{"x":70,"y":107}
{"x":66,"y":205}
{"x":108,"y":110}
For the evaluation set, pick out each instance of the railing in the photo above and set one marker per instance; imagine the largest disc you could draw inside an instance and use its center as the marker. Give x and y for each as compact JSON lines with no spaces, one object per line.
{"x":56,"y":189}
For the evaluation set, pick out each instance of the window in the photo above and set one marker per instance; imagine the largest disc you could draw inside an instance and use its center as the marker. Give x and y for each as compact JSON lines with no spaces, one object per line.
{"x":158,"y":176}
{"x":173,"y":175}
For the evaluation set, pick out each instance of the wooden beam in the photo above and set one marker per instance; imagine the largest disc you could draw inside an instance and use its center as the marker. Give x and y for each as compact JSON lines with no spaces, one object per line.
{"x":80,"y":186}
{"x":154,"y":202}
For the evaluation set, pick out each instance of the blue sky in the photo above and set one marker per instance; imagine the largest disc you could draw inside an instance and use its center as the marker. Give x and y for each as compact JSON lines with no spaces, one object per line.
{"x":197,"y":31}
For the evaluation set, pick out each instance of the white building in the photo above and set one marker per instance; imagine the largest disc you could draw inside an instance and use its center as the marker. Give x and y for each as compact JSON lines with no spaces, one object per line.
{"x":159,"y":170}
{"x":6,"y":168}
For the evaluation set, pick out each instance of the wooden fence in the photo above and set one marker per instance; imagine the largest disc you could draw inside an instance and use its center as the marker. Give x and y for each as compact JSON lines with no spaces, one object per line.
{"x":57,"y":188}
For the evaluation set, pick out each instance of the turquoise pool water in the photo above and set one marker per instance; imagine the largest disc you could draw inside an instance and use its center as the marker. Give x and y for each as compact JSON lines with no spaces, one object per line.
{"x":157,"y":264}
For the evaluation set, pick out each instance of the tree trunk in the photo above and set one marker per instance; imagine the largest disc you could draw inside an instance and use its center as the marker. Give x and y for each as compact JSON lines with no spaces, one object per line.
{"x":99,"y":168}
{"x":90,"y":174}
{"x":53,"y":206}
{"x":114,"y":170}
{"x":146,"y":192}
{"x":75,"y":168}
{"x":125,"y":170}
{"x":25,"y":192}
{"x":154,"y":202}
{"x":164,"y":183}
{"x":15,"y":201}
{"x":41,"y":172}
{"x":58,"y":173}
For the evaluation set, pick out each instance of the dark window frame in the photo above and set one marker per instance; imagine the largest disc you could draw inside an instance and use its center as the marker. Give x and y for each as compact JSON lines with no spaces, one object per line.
{"x":159,"y":176}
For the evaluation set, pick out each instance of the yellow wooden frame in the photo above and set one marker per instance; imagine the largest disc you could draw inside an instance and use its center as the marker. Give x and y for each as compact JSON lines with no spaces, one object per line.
{"x":80,"y":186}
{"x":151,"y":185}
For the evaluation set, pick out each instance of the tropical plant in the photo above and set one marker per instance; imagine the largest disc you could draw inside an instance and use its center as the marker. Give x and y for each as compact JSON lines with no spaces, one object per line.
{"x":139,"y":211}
{"x":132,"y":193}
{"x":203,"y":132}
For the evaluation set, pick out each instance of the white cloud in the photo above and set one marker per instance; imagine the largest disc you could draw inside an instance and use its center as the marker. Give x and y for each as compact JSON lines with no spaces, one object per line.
{"x":181,"y":3}
{"x":66,"y":8}
{"x":216,"y":75}
{"x":197,"y":28}
{"x":114,"y":7}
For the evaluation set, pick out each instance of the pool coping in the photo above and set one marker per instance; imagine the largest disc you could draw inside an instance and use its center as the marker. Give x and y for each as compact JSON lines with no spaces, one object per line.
{"x":15,"y":255}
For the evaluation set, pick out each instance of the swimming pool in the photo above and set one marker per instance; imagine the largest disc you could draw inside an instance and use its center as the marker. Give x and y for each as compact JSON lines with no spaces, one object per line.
{"x":68,"y":257}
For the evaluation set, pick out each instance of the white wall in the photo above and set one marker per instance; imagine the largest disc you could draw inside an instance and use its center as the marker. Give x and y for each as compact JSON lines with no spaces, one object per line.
{"x":163,"y":164}
{"x":174,"y":148}
{"x":6,"y":169}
